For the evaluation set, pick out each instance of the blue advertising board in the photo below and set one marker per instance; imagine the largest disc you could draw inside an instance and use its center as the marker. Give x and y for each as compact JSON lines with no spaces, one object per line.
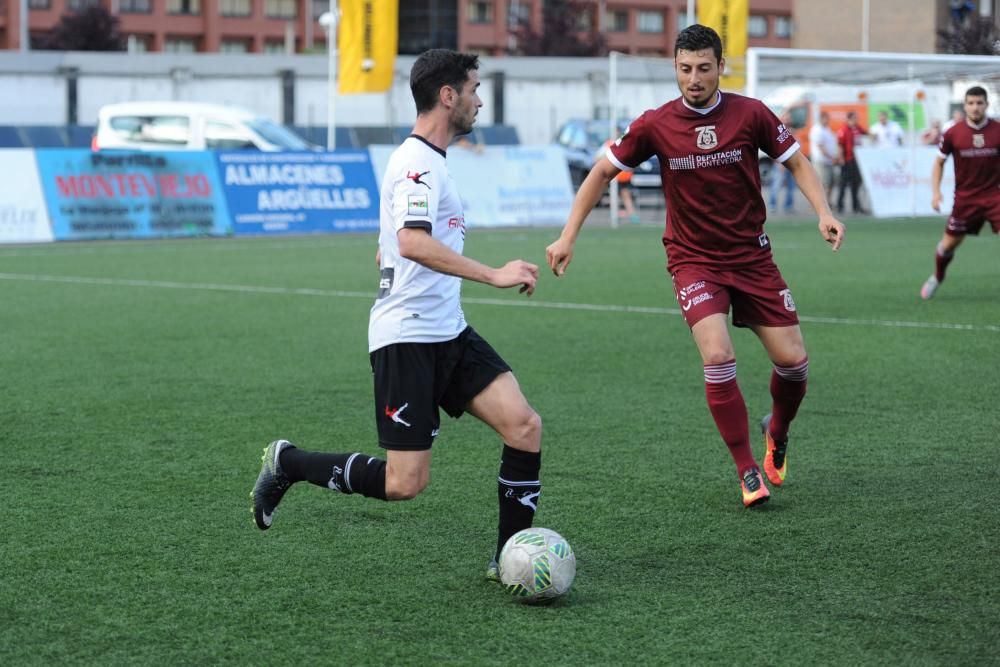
{"x":125,"y":194}
{"x":300,"y":193}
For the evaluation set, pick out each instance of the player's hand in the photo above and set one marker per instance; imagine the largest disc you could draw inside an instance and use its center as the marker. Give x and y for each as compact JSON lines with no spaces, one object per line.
{"x":833,"y":231}
{"x":936,"y":202}
{"x":517,"y":272}
{"x":378,"y":258}
{"x":558,"y":255}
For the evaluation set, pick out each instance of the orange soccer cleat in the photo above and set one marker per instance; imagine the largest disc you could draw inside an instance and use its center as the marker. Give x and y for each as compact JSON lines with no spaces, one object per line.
{"x":754,"y":490}
{"x":775,"y":459}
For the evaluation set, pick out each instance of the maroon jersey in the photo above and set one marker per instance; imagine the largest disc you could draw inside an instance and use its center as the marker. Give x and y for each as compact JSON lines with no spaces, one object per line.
{"x":977,"y":158}
{"x":711,"y":176}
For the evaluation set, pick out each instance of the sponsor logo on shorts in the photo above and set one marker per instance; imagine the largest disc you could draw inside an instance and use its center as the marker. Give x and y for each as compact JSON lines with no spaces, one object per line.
{"x":786,"y":294}
{"x":417,"y":205}
{"x":395,"y":414}
{"x":689,"y":299}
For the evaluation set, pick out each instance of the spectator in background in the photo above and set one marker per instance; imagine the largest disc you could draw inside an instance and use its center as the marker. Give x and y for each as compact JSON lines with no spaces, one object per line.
{"x":850,"y":176}
{"x":887,"y":133}
{"x":624,"y":180}
{"x":932,"y":135}
{"x":782,"y":177}
{"x":957,"y":116}
{"x":823,"y":152}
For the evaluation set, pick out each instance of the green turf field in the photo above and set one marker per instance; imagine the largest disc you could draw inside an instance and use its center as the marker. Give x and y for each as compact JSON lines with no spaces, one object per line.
{"x":142,"y":379}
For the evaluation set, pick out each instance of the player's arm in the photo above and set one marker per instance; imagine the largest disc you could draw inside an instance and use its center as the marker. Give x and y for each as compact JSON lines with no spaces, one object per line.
{"x":560,"y":252}
{"x":937,"y":173}
{"x":417,"y":245}
{"x":832,"y":230}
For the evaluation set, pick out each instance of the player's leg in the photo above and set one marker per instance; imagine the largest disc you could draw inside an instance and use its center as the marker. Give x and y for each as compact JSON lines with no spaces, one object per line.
{"x":789,"y":374}
{"x":503,"y":407}
{"x":943,"y":255}
{"x":482,"y":384}
{"x":705,"y":302}
{"x":726,"y":404}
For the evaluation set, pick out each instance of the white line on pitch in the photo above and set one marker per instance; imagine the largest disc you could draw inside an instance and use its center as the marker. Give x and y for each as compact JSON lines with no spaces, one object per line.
{"x":552,"y":305}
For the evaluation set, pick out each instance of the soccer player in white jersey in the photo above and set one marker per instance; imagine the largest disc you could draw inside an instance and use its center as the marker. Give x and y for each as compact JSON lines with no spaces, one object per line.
{"x":423,"y":354}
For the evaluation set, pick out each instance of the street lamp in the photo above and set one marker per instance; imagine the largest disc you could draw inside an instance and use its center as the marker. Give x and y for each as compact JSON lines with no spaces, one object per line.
{"x":329,"y":21}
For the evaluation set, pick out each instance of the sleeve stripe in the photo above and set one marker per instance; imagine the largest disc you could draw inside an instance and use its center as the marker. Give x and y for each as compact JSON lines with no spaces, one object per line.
{"x":615,"y":161}
{"x":787,"y":154}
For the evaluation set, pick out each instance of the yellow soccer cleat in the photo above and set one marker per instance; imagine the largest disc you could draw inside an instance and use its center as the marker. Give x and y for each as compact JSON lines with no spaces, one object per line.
{"x":775,"y":458}
{"x":754,"y":490}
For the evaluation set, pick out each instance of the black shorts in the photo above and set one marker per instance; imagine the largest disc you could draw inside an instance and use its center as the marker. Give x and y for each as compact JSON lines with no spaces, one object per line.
{"x":412,"y":380}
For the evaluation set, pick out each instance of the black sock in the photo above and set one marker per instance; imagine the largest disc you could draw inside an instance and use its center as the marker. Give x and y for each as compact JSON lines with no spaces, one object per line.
{"x":518,"y":489}
{"x":347,"y":473}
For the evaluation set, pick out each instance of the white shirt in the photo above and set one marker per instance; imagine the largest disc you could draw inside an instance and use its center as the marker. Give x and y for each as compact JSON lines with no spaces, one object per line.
{"x":416,"y":304}
{"x":821,"y":136}
{"x":888,"y":135}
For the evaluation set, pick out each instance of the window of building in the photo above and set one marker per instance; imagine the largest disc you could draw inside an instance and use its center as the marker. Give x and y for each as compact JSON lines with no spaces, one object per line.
{"x":320,"y":7}
{"x":39,"y":4}
{"x":480,"y":11}
{"x":585,"y":20}
{"x":650,"y":22}
{"x":782,"y":27}
{"x":181,"y":45}
{"x":234,"y":46}
{"x":137,"y":43}
{"x":519,"y":13}
{"x":682,"y":20}
{"x":757,"y":26}
{"x":274,"y":47}
{"x":184,"y":6}
{"x":280,"y":9}
{"x":78,"y":5}
{"x":135,"y":6}
{"x":616,"y":21}
{"x":237,"y":8}
{"x":166,"y":130}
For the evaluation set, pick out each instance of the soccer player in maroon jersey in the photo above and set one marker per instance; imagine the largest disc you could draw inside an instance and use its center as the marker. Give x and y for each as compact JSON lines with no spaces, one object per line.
{"x":975,"y":146}
{"x":717,"y":252}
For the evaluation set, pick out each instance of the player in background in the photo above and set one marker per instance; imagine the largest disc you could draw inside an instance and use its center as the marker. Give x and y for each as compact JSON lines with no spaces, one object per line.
{"x":717,"y":252}
{"x":423,"y":354}
{"x":974,"y":144}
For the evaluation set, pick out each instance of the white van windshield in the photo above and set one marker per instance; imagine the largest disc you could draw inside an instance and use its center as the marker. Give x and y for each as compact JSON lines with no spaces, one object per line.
{"x":278,"y":135}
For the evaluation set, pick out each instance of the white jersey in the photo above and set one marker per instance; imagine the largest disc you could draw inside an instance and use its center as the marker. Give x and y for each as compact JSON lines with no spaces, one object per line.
{"x":889,"y":135}
{"x":416,"y":304}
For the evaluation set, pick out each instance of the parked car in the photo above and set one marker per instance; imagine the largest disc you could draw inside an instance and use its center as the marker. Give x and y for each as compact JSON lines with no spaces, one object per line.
{"x":583,"y":141}
{"x":190,"y":126}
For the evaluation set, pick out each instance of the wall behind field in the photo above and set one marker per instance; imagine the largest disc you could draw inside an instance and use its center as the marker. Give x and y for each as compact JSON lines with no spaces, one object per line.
{"x":539,"y":94}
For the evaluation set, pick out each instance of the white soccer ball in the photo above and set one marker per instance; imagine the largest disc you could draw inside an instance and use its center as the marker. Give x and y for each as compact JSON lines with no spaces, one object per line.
{"x":537,"y":565}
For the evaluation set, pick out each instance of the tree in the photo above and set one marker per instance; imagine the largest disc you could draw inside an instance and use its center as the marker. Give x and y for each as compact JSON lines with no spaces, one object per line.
{"x":970,"y":35}
{"x":560,"y":33}
{"x":91,"y":29}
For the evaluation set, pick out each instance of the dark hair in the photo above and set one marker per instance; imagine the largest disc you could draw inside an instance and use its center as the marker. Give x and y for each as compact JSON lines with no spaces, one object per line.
{"x":977,"y":91}
{"x":435,"y":69}
{"x":697,"y":37}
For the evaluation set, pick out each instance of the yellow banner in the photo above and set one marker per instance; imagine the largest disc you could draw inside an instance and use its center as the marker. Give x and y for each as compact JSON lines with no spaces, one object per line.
{"x":729,"y":19}
{"x":368,"y":34}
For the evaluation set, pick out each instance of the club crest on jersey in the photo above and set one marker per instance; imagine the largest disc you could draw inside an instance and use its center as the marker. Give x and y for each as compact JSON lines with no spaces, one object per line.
{"x":978,"y":140}
{"x":707,"y":138}
{"x":789,"y":302}
{"x":417,"y":205}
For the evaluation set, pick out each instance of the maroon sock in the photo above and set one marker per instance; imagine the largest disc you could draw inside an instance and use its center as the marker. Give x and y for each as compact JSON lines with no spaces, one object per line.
{"x":941,"y":261}
{"x":725,"y":402}
{"x":788,"y":387}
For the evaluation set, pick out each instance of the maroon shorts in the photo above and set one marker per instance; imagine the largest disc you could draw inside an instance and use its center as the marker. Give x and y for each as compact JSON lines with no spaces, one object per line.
{"x":758,"y":295}
{"x":967,"y":217}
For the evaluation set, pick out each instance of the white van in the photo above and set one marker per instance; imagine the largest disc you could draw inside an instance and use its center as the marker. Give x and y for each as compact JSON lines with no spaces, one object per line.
{"x":190,"y":126}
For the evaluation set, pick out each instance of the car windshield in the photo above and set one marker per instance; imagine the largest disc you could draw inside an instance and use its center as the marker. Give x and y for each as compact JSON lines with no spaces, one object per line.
{"x":278,"y":135}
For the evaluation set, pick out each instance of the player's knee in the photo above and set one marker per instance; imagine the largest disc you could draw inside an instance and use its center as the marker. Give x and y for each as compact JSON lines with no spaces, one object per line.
{"x":719,"y":356}
{"x":405,"y":487}
{"x":527,"y":433}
